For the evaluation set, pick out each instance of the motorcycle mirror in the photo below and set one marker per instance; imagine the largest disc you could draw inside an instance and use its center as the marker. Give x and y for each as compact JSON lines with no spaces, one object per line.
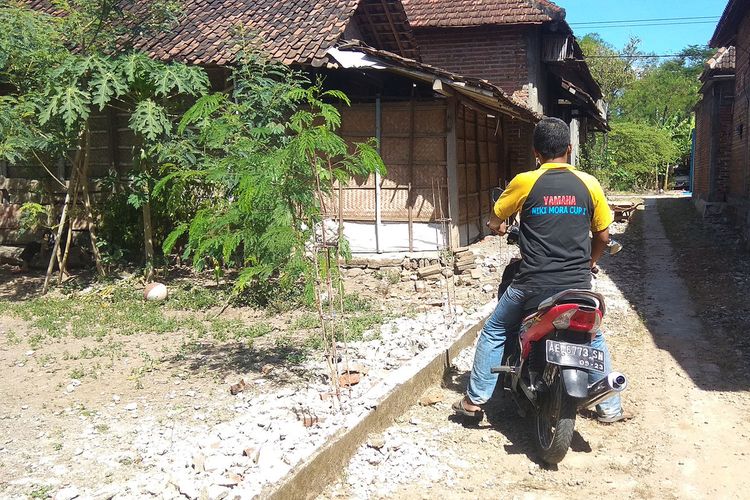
{"x":614,"y":247}
{"x":495,"y":193}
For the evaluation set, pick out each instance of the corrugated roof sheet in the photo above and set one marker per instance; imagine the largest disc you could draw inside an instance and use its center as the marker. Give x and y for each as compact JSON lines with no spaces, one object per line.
{"x":455,"y":13}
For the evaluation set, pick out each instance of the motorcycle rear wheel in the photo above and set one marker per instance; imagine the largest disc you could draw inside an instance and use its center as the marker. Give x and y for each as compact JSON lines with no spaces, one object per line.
{"x":554,"y":423}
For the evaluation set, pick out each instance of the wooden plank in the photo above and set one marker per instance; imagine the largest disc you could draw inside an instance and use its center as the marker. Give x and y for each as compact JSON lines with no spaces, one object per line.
{"x":393,"y":28}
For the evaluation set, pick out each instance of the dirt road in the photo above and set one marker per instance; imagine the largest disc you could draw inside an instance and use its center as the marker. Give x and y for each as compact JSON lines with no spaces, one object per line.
{"x":689,"y":389}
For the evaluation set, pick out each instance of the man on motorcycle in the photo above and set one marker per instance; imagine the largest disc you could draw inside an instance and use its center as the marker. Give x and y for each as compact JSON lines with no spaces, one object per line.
{"x":558,"y":207}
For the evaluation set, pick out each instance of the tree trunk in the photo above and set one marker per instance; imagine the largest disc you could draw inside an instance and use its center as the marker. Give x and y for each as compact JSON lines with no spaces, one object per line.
{"x":666,"y":178}
{"x":148,"y":237}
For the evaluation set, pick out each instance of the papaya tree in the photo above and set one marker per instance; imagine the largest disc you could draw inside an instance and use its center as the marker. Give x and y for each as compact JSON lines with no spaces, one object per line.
{"x":59,"y":70}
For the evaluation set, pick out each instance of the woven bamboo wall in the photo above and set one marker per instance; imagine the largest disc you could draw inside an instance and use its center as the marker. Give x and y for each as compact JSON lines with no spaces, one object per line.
{"x":413,"y":148}
{"x":478,"y":138}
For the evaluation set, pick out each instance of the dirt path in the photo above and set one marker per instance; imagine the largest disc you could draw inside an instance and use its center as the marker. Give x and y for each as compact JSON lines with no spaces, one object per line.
{"x":690,"y":437}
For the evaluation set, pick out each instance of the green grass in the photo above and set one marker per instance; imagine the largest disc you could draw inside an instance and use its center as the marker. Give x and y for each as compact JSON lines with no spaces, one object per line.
{"x":40,"y":492}
{"x":308,"y":321}
{"x":356,"y":303}
{"x":189,"y":298}
{"x":122,"y":311}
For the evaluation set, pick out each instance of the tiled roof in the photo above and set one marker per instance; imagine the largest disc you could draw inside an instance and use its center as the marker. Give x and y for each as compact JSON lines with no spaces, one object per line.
{"x":722,"y":63}
{"x":454,"y":13}
{"x":290,"y":31}
{"x":724,"y":59}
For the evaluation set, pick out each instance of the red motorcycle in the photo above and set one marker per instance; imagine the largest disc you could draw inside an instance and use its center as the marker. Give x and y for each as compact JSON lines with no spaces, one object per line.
{"x":546,"y":368}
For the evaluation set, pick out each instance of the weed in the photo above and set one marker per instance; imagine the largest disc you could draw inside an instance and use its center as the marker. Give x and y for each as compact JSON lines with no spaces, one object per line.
{"x":40,"y":492}
{"x":307,"y":321}
{"x":356,"y":326}
{"x":101,"y":428}
{"x":57,"y":446}
{"x":392,"y":276}
{"x":77,"y":373}
{"x":356,"y":303}
{"x":253,"y":331}
{"x":190,"y":298}
{"x":12,"y":338}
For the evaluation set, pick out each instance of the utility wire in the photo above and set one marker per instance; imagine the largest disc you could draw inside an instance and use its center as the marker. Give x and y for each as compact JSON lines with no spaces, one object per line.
{"x":648,"y":20}
{"x":686,"y":56}
{"x":598,"y":26}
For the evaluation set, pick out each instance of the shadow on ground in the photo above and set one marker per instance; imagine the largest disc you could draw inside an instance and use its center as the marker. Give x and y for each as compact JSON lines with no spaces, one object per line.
{"x":711,"y":264}
{"x":501,"y":415}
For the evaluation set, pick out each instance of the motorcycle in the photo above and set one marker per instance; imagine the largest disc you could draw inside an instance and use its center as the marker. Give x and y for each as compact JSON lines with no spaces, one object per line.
{"x":546,"y":367}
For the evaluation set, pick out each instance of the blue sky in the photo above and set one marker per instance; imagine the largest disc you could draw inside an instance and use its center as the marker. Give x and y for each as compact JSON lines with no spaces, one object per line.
{"x":657,"y":39}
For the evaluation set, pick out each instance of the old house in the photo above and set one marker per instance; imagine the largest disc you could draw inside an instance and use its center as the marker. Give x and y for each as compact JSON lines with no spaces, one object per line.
{"x":523,"y":46}
{"x":714,"y":132}
{"x":734,"y":30}
{"x":448,"y":134}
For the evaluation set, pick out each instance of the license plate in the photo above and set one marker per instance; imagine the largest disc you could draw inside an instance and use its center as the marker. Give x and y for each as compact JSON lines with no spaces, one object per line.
{"x":575,"y":355}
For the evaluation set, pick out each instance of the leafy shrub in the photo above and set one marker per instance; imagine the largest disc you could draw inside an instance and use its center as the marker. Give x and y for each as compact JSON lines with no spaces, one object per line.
{"x":265,"y":157}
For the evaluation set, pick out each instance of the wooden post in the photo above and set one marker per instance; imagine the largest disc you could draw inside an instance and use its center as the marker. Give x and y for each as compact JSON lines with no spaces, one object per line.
{"x":478,"y":173}
{"x":452,"y":174}
{"x":379,"y":138}
{"x":410,"y":196}
{"x":666,"y":178}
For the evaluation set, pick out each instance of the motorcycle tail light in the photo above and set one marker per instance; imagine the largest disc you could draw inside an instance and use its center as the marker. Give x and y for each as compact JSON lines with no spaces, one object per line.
{"x":581,"y":320}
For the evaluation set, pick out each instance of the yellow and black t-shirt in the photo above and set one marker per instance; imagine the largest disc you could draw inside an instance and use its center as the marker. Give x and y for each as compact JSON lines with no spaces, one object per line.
{"x":558,"y":207}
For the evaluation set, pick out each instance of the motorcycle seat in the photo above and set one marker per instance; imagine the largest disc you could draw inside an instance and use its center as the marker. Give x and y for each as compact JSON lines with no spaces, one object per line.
{"x":583,"y":297}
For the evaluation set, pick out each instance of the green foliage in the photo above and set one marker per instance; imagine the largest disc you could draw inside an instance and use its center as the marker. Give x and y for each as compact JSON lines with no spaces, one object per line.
{"x":32,"y":217}
{"x":651,"y":107}
{"x":613,"y":69}
{"x":261,"y":158}
{"x":61,"y":70}
{"x":634,"y":155}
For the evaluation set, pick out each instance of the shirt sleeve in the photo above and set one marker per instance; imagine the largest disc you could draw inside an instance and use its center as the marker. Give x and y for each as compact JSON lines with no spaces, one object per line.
{"x":602,"y":217}
{"x":512,"y":198}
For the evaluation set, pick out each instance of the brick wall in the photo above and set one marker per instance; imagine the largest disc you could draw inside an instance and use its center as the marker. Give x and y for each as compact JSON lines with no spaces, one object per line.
{"x":739,"y":170}
{"x":713,"y":145}
{"x":495,"y":53}
{"x":702,"y":166}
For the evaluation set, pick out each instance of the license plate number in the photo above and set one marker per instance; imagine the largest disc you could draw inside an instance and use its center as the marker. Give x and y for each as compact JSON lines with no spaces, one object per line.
{"x":575,"y":355}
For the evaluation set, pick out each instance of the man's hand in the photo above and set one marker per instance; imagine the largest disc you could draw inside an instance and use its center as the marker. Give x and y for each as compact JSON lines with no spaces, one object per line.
{"x":497,"y":226}
{"x":598,"y":245}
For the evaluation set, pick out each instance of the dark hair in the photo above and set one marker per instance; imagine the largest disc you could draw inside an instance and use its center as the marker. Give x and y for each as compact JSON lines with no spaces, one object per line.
{"x":551,"y":138}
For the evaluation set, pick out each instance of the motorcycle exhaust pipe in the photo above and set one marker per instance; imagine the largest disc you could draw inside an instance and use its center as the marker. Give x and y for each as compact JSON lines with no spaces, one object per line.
{"x":604,"y":389}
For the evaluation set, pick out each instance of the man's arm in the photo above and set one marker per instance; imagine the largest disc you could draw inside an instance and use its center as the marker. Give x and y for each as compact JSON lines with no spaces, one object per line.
{"x":508,"y":204}
{"x":599,"y":242}
{"x":497,"y":225}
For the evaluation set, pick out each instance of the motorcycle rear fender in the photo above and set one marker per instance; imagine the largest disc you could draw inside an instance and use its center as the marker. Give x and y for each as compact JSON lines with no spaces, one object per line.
{"x":575,"y":382}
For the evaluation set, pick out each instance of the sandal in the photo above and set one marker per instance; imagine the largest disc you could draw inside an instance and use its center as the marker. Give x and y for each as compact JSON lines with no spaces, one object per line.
{"x":458,"y":407}
{"x":623,"y":416}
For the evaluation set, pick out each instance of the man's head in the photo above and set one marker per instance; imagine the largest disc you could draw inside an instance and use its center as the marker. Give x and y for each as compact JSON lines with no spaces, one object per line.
{"x":551,"y":139}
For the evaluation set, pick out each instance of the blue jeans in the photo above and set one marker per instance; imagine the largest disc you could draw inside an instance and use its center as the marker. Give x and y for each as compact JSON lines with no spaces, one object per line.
{"x":507,"y":320}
